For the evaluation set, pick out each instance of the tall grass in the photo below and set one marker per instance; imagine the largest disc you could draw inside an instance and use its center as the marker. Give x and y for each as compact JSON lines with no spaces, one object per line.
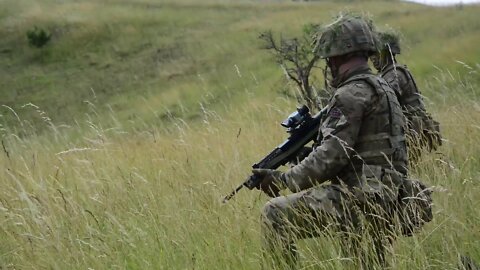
{"x":151,"y":198}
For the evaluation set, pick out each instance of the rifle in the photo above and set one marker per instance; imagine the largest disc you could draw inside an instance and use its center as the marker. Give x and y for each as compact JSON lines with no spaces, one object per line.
{"x":302,"y":128}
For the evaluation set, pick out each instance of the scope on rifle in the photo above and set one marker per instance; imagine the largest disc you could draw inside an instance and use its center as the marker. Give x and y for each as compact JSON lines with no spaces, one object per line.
{"x":296,"y":118}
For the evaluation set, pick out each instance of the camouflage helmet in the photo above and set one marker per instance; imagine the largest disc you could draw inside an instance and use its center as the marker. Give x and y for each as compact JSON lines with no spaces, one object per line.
{"x":389,"y":41}
{"x":345,"y":35}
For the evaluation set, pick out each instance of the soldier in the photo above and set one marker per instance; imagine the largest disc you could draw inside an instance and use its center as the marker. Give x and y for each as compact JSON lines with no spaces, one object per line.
{"x":422,"y":131}
{"x":362,"y":153}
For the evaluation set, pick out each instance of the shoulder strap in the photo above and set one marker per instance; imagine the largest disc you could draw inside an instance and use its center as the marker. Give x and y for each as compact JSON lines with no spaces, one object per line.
{"x":387,"y":69}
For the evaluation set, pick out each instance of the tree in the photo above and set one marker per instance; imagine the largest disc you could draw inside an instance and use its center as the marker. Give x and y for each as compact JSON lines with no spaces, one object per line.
{"x":297,"y":58}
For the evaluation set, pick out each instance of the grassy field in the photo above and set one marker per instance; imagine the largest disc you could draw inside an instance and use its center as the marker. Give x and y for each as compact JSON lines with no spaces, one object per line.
{"x":121,"y":136}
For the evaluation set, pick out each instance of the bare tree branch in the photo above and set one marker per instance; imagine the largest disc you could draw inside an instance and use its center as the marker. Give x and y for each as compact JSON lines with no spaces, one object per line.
{"x":297,"y":58}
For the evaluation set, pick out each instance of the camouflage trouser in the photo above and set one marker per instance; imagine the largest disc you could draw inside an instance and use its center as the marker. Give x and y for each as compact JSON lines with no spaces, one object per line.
{"x":312,"y":212}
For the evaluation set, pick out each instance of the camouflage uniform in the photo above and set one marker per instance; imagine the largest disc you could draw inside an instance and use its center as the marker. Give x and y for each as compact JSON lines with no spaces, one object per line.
{"x":422,"y":130}
{"x":362,"y":152}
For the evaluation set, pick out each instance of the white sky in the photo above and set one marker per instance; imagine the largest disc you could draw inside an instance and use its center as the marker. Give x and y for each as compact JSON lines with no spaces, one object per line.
{"x":444,"y":2}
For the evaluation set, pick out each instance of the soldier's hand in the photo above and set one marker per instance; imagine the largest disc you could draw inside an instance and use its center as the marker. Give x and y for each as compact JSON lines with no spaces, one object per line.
{"x":272,"y":181}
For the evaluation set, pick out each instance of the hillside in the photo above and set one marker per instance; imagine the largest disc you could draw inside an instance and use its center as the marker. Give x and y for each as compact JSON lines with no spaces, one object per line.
{"x":143,"y":59}
{"x":120,"y":137}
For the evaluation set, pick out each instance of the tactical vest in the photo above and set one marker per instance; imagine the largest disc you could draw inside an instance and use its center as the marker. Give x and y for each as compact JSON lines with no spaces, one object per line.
{"x":409,"y":99}
{"x":381,"y":139}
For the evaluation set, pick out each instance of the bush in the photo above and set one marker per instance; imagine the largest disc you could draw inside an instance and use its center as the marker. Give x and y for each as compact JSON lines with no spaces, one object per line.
{"x":38,"y":37}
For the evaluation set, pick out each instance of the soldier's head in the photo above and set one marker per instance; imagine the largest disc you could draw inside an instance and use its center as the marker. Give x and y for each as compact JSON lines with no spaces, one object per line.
{"x":349,"y":38}
{"x":389,"y":46}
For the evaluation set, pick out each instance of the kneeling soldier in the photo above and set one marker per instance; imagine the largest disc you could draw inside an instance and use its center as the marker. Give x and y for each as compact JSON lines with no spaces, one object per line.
{"x":362,"y":153}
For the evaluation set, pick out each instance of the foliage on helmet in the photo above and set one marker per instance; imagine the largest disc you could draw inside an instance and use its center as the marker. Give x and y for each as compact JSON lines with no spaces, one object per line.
{"x":389,"y":41}
{"x":347,"y":34}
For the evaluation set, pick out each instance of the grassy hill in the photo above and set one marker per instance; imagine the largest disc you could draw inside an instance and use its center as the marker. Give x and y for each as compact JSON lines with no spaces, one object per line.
{"x":143,"y":59}
{"x":120,"y":136}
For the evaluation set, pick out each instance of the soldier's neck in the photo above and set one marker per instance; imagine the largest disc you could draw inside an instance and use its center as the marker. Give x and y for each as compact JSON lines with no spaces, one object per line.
{"x":352,"y":67}
{"x":353,"y":64}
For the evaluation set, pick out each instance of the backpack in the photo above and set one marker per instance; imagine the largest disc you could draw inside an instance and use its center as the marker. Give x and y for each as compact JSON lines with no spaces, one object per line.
{"x":415,"y":203}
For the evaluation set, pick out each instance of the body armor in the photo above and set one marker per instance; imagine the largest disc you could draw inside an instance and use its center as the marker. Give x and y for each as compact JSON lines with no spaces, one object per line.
{"x":380,"y":150}
{"x":381,"y":139}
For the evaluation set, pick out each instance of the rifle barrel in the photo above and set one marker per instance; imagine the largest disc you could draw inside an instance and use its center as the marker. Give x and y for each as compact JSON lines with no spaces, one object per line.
{"x":233,"y":193}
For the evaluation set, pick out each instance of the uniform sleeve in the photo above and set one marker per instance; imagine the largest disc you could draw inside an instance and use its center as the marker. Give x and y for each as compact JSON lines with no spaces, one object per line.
{"x":400,"y":81}
{"x":396,"y":80}
{"x":410,"y":95}
{"x":340,"y":131}
{"x":403,"y":80}
{"x":404,"y":83}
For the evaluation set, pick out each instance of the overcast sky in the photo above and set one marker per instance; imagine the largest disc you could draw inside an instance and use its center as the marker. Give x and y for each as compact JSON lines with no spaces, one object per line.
{"x":444,"y":2}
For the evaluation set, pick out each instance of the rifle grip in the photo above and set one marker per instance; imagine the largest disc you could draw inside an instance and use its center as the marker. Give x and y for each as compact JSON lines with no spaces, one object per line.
{"x":252,"y":182}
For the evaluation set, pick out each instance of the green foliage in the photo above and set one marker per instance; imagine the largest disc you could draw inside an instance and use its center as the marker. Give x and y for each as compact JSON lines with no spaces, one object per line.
{"x":310,"y":30}
{"x":38,"y":37}
{"x":150,"y":198}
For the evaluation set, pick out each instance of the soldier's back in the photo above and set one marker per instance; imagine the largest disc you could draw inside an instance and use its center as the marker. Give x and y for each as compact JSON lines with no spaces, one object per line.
{"x":422,"y":130}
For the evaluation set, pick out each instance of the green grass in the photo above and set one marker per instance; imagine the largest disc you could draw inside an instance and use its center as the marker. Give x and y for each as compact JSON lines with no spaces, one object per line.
{"x":139,"y":56}
{"x":146,"y":113}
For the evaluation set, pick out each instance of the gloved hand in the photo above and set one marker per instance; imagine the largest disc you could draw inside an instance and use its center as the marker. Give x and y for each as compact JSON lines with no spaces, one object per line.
{"x":273,"y":181}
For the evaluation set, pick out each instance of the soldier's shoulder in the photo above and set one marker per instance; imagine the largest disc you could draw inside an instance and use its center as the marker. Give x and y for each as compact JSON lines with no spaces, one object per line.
{"x":356,"y":89}
{"x":360,"y":83}
{"x":398,"y":71}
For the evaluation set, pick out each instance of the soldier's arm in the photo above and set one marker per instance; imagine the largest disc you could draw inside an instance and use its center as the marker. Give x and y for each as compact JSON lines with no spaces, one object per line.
{"x":340,"y":131}
{"x":393,"y":79}
{"x":412,"y":96}
{"x":404,"y":80}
